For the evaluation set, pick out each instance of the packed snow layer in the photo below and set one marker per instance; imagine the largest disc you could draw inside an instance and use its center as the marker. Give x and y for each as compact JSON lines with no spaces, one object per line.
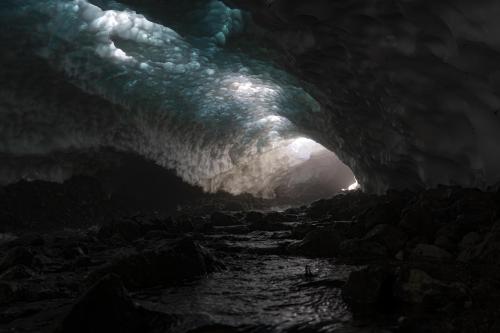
{"x":81,"y":76}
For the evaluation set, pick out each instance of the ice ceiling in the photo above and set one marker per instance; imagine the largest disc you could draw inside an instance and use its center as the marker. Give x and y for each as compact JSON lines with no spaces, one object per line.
{"x":96,"y":74}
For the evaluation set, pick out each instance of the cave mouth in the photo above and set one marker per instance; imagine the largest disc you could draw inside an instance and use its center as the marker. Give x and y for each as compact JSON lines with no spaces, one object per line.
{"x":299,"y":170}
{"x":193,"y":95}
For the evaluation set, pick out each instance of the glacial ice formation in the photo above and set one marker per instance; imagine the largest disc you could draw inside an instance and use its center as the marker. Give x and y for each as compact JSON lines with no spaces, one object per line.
{"x":81,"y":76}
{"x":411,"y":87}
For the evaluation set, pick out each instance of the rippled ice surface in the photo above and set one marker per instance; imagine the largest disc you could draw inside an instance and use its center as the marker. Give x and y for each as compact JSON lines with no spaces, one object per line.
{"x":270,"y":292}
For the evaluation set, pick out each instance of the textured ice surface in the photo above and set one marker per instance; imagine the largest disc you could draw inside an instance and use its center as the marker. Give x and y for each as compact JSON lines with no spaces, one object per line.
{"x":411,"y":87}
{"x":221,"y":119}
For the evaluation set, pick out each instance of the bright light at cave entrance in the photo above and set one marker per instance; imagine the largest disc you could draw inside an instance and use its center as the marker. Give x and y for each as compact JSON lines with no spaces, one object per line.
{"x":353,"y":186}
{"x":302,"y":148}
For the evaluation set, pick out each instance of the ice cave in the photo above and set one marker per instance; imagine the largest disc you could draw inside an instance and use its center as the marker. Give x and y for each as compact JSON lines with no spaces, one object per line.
{"x":249,"y":166}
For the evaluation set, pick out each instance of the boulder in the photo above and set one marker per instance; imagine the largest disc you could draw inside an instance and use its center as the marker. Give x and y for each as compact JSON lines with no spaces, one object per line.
{"x":267,"y":225}
{"x":469,"y":240}
{"x":220,"y":219}
{"x":320,"y":242}
{"x":415,"y":286}
{"x":363,"y":249}
{"x":487,"y":250}
{"x":368,"y":286}
{"x":161,"y":263}
{"x":301,"y":230}
{"x":18,"y":255}
{"x":17,"y":272}
{"x":107,"y":307}
{"x":254,"y":217}
{"x":391,"y":237}
{"x":7,"y":292}
{"x":384,"y":213}
{"x":126,"y":229}
{"x":417,"y":220}
{"x":430,"y":252}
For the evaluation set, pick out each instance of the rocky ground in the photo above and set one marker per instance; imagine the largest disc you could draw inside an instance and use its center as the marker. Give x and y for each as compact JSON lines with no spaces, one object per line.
{"x":402,"y":262}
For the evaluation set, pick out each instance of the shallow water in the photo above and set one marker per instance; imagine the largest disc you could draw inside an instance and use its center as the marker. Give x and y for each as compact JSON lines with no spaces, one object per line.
{"x":267,"y":291}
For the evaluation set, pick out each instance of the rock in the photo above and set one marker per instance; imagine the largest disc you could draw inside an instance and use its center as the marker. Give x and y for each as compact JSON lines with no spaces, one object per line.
{"x":218,"y":328}
{"x":416,"y":286}
{"x":7,"y":292}
{"x":73,"y":252}
{"x":236,"y":229}
{"x":430,"y":252}
{"x":27,"y":240}
{"x":384,"y":213}
{"x":266,"y":225}
{"x":17,"y":256}
{"x":487,"y":251}
{"x":445,"y":243}
{"x":320,"y":208}
{"x":390,"y":236}
{"x":106,"y":307}
{"x":449,"y":235}
{"x":469,"y":240}
{"x":161,"y":263}
{"x":417,"y":220}
{"x":368,"y":286}
{"x":127,"y":229}
{"x":254,"y":217}
{"x":362,"y":249}
{"x":301,"y":230}
{"x":17,"y":272}
{"x":321,"y":242}
{"x":219,"y":219}
{"x":280,"y":217}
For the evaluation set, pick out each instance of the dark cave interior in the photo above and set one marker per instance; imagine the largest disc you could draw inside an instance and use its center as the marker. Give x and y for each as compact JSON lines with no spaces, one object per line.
{"x":227,"y":166}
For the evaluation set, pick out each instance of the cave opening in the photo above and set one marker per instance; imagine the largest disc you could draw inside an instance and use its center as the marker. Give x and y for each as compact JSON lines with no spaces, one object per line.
{"x":192,"y":95}
{"x":236,"y":166}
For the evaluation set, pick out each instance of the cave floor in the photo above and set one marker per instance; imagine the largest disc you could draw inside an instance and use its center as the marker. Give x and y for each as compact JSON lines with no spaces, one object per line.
{"x":403,"y":262}
{"x":259,"y":287}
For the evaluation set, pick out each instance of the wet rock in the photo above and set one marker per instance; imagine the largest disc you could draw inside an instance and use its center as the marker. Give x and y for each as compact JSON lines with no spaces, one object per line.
{"x":321,"y":242}
{"x":218,"y":328}
{"x":220,"y":219}
{"x":73,"y":252}
{"x":280,"y":217}
{"x":362,"y":249}
{"x":430,"y":252}
{"x":320,"y":208}
{"x":474,"y":208}
{"x":267,"y":225}
{"x":236,"y":229}
{"x":487,"y":251}
{"x":7,"y":292}
{"x":416,"y":286}
{"x":27,"y":240}
{"x":470,"y":240}
{"x":107,"y":307}
{"x":384,"y":213}
{"x":390,"y":236}
{"x":126,"y":229}
{"x":301,"y":230}
{"x":161,"y":263}
{"x":17,"y":272}
{"x":449,"y":235}
{"x":445,"y":243}
{"x":254,"y":217}
{"x":417,"y":220}
{"x":342,"y":207}
{"x":369,"y":286}
{"x":17,"y":256}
